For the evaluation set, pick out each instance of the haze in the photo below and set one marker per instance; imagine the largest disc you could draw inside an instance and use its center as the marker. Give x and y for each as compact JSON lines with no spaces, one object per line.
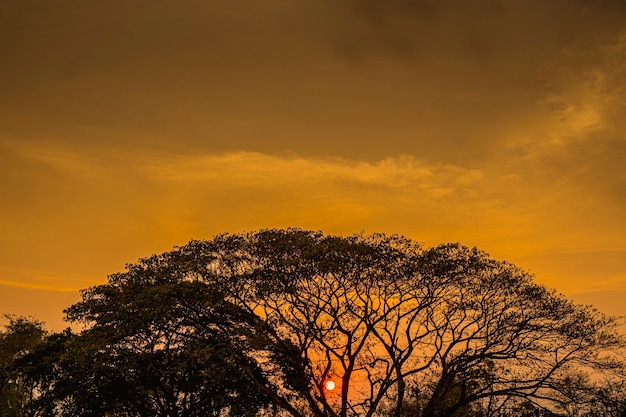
{"x":128,"y":127}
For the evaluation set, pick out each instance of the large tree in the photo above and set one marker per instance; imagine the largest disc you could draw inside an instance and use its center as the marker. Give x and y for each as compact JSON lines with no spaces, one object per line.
{"x":268,"y":318}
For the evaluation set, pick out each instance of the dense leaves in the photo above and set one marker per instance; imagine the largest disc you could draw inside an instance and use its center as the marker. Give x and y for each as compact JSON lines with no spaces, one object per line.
{"x":164,"y":349}
{"x":18,"y":339}
{"x":257,"y":323}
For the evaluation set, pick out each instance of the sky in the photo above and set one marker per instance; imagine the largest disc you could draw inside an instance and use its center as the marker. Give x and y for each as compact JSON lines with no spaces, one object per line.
{"x":128,"y":127}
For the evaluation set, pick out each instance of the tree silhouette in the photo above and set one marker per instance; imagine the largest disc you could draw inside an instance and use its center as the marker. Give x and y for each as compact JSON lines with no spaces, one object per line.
{"x":261,"y":321}
{"x":20,"y":336}
{"x":158,"y":346}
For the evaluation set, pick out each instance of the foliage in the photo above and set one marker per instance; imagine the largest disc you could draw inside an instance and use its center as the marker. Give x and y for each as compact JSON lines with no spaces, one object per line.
{"x":257,"y":323}
{"x":167,"y":348}
{"x":20,"y":336}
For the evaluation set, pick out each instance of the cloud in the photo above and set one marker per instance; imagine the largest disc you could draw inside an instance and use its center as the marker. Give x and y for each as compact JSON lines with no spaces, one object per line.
{"x":41,"y":280}
{"x":253,"y":169}
{"x":246,"y":169}
{"x":356,"y":79}
{"x":182,"y":194}
{"x":111,"y":196}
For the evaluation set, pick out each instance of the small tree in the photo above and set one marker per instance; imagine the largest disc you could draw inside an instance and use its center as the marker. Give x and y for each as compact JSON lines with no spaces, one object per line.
{"x":19,"y":337}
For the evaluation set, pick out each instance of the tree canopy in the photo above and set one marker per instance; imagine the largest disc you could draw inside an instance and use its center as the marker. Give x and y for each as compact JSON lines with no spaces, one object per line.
{"x":255,"y":323}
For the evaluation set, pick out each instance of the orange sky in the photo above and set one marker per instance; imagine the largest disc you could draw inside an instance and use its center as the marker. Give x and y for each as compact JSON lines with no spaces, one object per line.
{"x":128,"y":127}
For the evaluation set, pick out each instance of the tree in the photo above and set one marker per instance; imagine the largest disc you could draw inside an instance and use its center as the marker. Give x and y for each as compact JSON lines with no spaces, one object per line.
{"x":266,"y":319}
{"x":378,"y":312}
{"x":610,"y":400}
{"x":158,"y":346}
{"x":20,"y":336}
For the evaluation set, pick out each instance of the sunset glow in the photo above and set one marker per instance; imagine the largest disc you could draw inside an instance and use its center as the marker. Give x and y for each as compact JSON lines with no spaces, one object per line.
{"x":127,"y":128}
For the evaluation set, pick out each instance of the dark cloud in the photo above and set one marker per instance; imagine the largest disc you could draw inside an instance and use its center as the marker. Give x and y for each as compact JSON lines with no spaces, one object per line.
{"x":367,"y":78}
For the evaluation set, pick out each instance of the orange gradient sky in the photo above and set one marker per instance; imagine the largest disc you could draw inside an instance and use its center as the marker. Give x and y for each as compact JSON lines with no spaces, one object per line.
{"x":129,"y":127}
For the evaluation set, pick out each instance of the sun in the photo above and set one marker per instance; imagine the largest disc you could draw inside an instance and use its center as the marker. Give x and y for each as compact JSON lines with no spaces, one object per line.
{"x":329,"y":385}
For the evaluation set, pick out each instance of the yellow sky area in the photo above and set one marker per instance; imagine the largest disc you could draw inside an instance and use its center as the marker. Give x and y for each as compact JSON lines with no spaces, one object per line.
{"x":85,"y":216}
{"x":127,"y":128}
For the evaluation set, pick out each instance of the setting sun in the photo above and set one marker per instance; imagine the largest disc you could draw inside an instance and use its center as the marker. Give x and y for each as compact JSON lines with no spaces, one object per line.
{"x":329,"y":385}
{"x":326,"y":207}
